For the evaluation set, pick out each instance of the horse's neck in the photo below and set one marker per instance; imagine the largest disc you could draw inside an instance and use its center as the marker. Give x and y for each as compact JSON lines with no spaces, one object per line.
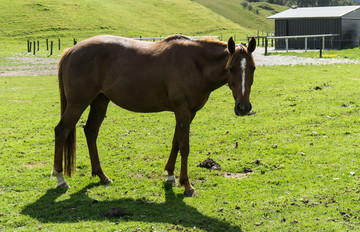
{"x":214,"y":70}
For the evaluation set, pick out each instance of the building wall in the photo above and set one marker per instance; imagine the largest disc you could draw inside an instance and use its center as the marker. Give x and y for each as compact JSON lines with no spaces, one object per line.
{"x":309,"y":26}
{"x":351,"y":29}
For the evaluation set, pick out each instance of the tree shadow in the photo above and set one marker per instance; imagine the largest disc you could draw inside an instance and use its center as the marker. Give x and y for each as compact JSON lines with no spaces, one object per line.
{"x":81,"y":207}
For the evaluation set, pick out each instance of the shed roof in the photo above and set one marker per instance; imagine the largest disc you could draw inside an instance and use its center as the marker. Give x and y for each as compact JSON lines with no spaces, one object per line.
{"x":315,"y":12}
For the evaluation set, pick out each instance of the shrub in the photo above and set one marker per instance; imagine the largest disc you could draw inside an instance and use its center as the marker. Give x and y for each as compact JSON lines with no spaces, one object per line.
{"x":244,"y":4}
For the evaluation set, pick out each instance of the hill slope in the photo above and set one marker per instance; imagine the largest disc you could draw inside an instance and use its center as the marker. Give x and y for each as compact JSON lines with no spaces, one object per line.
{"x":83,"y":18}
{"x":254,"y":20}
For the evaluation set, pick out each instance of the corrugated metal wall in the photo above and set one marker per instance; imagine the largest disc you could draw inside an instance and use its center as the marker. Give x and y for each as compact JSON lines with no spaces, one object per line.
{"x":351,"y":29}
{"x":308,"y":26}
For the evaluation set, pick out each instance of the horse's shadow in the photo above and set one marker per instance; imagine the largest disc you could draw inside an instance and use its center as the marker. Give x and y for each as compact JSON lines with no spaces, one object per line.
{"x":80,"y":207}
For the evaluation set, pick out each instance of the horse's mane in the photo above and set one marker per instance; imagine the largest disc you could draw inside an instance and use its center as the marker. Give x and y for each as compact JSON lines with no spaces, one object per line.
{"x":176,"y":37}
{"x":211,"y":40}
{"x":186,"y":38}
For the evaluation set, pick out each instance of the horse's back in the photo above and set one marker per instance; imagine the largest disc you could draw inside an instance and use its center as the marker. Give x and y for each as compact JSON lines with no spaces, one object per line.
{"x":130,"y":73}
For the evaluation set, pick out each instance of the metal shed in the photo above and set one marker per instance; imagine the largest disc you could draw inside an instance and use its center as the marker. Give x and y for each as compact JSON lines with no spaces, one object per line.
{"x":341,"y":20}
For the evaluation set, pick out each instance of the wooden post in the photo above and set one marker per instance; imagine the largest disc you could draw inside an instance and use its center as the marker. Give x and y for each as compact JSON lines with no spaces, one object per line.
{"x":38,"y":45}
{"x":34,"y":48}
{"x":287,"y":45}
{"x":75,"y":42}
{"x":28,"y":46}
{"x":59,"y":45}
{"x":321,"y":47}
{"x":266,"y":45}
{"x":306,"y":44}
{"x":47,"y":45}
{"x":51,"y":47}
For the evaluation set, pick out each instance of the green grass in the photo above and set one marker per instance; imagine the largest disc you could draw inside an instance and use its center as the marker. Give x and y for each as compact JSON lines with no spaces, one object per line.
{"x":233,"y":10}
{"x":301,"y":145}
{"x":352,"y":53}
{"x":25,"y":19}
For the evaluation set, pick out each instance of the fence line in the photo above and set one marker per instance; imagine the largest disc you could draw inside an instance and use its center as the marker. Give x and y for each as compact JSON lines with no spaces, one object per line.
{"x":161,"y":38}
{"x":31,"y":46}
{"x":265,"y":40}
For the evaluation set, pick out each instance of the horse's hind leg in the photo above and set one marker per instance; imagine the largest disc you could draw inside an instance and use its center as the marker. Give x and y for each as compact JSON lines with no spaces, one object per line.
{"x":96,"y":116}
{"x":62,"y":130}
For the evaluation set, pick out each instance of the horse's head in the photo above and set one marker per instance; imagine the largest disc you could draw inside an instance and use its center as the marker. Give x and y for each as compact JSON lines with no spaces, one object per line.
{"x":241,"y":68}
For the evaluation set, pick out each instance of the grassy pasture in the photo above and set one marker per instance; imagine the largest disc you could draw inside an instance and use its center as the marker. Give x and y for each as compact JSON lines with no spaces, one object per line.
{"x":302,"y":147}
{"x":351,"y":53}
{"x":233,"y":10}
{"x":38,"y":20}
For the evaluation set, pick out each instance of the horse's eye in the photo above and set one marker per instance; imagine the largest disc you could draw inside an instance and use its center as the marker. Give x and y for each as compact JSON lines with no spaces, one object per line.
{"x":232,"y":70}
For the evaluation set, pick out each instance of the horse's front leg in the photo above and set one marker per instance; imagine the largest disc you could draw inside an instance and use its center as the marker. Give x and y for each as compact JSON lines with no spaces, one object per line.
{"x":183,"y":120}
{"x":170,"y":165}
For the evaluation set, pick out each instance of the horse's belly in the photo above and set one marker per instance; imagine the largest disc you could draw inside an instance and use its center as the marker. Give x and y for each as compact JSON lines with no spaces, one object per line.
{"x":139,"y":101}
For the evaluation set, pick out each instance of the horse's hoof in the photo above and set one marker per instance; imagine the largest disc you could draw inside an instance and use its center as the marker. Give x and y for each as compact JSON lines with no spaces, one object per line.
{"x":171,"y":180}
{"x":106,"y":181}
{"x":63,"y":186}
{"x":190,"y":193}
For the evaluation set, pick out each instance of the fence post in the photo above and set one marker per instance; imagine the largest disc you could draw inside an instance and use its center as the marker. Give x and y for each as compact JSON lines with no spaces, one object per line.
{"x":28,"y":46}
{"x":59,"y":44}
{"x":266,"y":45}
{"x":287,"y":45}
{"x":306,"y":44}
{"x":47,"y":45}
{"x":51,"y":47}
{"x":34,"y":48}
{"x":38,"y":45}
{"x":75,"y":42}
{"x":321,"y":47}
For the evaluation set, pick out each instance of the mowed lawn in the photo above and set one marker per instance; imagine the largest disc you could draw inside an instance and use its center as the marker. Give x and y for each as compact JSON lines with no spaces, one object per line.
{"x":293,"y":166}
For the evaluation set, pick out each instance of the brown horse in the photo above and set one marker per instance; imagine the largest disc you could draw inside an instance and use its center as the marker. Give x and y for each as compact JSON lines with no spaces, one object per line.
{"x":176,"y":74}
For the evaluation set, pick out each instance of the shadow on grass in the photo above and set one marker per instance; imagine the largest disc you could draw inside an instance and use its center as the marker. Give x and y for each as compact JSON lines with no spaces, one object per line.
{"x":80,"y":207}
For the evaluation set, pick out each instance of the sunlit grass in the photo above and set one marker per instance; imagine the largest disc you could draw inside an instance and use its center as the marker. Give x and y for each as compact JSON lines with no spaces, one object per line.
{"x":302,"y":147}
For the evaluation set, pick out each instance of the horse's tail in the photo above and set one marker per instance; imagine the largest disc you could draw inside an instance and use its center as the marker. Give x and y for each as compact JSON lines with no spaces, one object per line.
{"x":69,"y":150}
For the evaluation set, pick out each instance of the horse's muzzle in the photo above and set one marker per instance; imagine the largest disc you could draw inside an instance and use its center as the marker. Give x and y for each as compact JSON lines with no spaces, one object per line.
{"x":242,"y":109}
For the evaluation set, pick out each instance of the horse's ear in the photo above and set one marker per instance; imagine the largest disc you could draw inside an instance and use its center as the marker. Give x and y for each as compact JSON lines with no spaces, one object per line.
{"x":231,"y":45}
{"x":252,"y":45}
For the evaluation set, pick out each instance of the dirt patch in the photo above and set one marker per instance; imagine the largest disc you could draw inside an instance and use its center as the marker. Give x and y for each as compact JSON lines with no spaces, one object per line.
{"x":272,"y":60}
{"x":235,"y":175}
{"x":19,"y":101}
{"x":28,"y":66}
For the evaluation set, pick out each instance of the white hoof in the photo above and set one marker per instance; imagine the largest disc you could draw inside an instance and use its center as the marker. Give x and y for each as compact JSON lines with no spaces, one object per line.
{"x":60,"y":178}
{"x":171,"y":179}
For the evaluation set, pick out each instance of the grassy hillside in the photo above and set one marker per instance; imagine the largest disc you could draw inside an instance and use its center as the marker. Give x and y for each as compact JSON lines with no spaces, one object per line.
{"x":255,"y":20}
{"x":29,"y":19}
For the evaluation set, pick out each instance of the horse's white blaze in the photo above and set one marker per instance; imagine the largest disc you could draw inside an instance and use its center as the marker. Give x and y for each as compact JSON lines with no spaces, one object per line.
{"x":243,"y":67}
{"x":59,"y":176}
